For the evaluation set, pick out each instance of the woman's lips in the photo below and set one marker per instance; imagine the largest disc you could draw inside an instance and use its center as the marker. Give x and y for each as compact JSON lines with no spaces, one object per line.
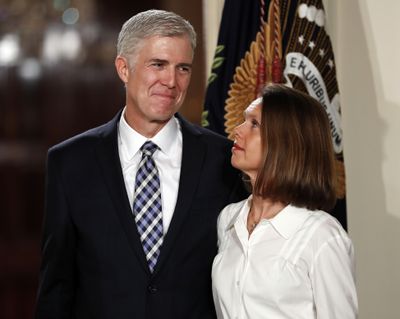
{"x":236,"y":147}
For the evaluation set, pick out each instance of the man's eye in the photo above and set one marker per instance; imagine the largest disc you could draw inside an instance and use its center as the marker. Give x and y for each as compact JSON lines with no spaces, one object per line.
{"x":157,"y":65}
{"x":184,"y":69}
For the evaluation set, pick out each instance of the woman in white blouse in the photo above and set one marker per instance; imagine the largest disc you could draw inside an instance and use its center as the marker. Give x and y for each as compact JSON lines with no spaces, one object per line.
{"x":280,"y":254}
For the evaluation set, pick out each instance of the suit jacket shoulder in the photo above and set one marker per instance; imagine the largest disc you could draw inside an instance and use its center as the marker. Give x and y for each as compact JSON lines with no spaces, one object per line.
{"x":88,"y":138}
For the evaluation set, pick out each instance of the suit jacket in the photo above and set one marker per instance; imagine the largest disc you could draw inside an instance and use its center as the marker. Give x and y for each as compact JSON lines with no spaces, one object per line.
{"x":93,"y":264}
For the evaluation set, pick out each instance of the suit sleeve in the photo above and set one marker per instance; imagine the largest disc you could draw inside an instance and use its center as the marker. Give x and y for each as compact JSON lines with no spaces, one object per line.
{"x":57,"y":273}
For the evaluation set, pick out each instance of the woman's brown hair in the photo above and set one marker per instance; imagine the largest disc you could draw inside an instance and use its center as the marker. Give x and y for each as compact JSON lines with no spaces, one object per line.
{"x":298,"y":165}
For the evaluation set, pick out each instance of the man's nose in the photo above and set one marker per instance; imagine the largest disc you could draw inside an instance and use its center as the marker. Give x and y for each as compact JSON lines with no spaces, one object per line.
{"x":169,"y":77}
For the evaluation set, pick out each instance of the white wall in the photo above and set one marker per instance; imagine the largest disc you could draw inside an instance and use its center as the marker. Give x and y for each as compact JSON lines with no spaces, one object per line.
{"x":366,"y":40}
{"x":212,"y":11}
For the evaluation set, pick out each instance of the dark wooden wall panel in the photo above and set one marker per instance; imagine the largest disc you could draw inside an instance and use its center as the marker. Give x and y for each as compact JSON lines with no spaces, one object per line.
{"x":63,"y":99}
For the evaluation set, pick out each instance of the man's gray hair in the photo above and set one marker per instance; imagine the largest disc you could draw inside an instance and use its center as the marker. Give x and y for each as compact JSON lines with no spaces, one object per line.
{"x":152,"y":23}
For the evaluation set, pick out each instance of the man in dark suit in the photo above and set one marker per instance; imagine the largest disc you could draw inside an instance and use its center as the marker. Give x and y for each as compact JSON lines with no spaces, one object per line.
{"x":131,"y":206}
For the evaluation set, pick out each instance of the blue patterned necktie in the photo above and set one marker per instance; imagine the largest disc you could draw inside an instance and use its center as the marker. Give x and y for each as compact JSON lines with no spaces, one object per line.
{"x":147,"y":206}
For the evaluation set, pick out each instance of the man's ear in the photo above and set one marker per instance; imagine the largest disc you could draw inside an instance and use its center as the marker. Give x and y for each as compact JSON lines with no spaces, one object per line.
{"x":121,"y":64}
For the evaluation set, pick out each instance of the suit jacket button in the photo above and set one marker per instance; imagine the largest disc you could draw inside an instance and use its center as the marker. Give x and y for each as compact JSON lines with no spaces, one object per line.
{"x":152,"y":289}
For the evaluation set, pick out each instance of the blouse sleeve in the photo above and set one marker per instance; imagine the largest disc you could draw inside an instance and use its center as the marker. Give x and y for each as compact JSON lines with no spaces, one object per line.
{"x":333,"y":279}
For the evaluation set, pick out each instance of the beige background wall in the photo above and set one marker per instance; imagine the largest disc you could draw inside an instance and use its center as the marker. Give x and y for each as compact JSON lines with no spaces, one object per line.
{"x":367,"y":46}
{"x":366,"y":41}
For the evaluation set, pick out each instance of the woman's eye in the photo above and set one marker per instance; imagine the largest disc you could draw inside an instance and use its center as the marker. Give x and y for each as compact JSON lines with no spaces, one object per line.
{"x":254,"y":123}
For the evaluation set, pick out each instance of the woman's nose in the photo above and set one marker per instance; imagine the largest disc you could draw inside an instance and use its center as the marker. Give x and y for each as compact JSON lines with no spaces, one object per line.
{"x":237,"y":130}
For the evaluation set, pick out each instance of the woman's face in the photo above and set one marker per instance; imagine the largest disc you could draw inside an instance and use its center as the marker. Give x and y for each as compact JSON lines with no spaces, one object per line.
{"x":247,"y":148}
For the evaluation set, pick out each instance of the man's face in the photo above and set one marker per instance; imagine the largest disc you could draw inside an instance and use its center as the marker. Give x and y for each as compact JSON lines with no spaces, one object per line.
{"x":156,"y":80}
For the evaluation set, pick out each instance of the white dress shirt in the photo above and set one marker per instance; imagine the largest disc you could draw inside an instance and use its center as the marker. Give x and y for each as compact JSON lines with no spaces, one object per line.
{"x":299,"y":264}
{"x":167,"y":159}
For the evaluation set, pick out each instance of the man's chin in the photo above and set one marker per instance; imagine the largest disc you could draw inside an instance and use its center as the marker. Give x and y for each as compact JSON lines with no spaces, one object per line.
{"x":164,"y":114}
{"x":163,"y":117}
{"x":161,"y":120}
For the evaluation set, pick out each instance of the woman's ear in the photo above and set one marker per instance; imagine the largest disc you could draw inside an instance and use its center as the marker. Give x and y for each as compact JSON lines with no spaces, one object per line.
{"x":121,"y":64}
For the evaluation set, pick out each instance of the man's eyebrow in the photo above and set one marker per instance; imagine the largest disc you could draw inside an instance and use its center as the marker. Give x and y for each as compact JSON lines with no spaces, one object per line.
{"x":163,"y":61}
{"x":189,"y":65}
{"x":158,"y":60}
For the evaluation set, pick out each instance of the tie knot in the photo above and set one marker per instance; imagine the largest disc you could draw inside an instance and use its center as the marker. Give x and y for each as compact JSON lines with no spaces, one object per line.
{"x":149,"y":148}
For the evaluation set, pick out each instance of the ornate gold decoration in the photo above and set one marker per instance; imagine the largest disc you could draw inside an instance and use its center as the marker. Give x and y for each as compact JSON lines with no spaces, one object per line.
{"x":243,"y":88}
{"x":260,"y":65}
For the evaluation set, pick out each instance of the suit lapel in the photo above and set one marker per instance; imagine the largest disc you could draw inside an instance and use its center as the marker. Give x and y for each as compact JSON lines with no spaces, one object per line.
{"x":107,"y":151}
{"x":193,"y":153}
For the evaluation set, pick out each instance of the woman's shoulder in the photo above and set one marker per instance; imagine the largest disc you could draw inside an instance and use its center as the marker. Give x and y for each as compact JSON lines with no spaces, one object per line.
{"x":319,"y":232}
{"x":323,"y":227}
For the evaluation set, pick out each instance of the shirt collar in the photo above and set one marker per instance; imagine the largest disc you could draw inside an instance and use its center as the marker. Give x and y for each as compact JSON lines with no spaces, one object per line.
{"x":132,"y":141}
{"x":287,"y":222}
{"x":241,"y":215}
